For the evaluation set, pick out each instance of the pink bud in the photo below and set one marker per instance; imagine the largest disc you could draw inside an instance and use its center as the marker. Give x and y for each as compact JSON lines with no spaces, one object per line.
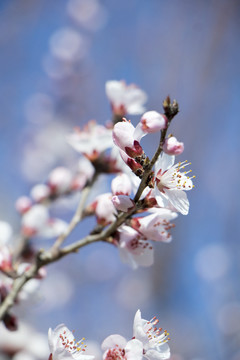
{"x":122,"y":203}
{"x":23,"y":204}
{"x":121,"y":185}
{"x":60,"y":180}
{"x":124,"y":138}
{"x":172,"y":146}
{"x":40,"y":192}
{"x":152,"y":121}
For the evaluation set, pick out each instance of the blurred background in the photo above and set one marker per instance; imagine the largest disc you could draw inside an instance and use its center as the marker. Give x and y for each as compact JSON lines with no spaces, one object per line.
{"x":55,"y":59}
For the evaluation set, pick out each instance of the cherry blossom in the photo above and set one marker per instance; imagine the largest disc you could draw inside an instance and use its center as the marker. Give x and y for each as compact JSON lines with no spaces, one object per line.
{"x":92,"y":140}
{"x":171,"y":183}
{"x":60,"y":180}
{"x":5,"y":258}
{"x":153,"y":339}
{"x":23,"y":204}
{"x":123,"y":202}
{"x":116,"y":347}
{"x":133,"y":248}
{"x":105,"y":210}
{"x":37,"y":222}
{"x":125,"y":98}
{"x":121,"y":185}
{"x":63,"y":345}
{"x":155,"y":226}
{"x":40,"y":192}
{"x":5,"y":232}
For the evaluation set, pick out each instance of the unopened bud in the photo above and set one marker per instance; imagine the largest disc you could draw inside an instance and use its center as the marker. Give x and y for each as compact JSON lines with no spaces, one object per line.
{"x":23,"y":204}
{"x":123,"y":203}
{"x":173,"y":147}
{"x":152,"y":121}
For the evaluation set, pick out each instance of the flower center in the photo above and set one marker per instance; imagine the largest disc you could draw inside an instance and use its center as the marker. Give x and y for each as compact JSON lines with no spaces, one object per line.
{"x":71,"y":345}
{"x":173,"y":178}
{"x":116,"y":354}
{"x":155,"y":335}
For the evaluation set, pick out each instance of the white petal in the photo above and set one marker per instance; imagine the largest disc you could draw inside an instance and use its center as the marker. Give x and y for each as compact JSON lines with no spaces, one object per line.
{"x":179,"y":200}
{"x":138,"y":133}
{"x":134,"y":350}
{"x":111,"y":341}
{"x":146,"y":258}
{"x":158,"y":355}
{"x":164,"y":162}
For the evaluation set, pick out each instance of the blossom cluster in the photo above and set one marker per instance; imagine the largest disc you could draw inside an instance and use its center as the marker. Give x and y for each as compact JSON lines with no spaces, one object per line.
{"x":148,"y":341}
{"x":145,"y":196}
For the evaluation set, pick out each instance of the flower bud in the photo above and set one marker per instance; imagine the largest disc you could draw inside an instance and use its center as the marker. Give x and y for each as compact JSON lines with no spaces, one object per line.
{"x":152,"y":121}
{"x":122,"y":203}
{"x":123,"y":137}
{"x":23,"y":204}
{"x":173,"y":147}
{"x":121,"y":185}
{"x":60,"y":180}
{"x":40,"y":192}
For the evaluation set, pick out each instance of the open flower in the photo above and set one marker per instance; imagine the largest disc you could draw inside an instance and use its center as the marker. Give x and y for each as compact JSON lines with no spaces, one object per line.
{"x":116,"y":347}
{"x":171,"y":183}
{"x":37,"y":222}
{"x":63,"y":345}
{"x":125,"y":99}
{"x":133,"y":248}
{"x":154,"y":341}
{"x":155,"y":226}
{"x":91,"y":140}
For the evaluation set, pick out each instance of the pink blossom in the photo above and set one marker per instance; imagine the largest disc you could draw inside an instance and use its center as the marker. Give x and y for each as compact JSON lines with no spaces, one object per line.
{"x":105,"y":210}
{"x":5,"y":259}
{"x":116,"y":347}
{"x":40,"y":192}
{"x":5,"y":232}
{"x":173,"y":147}
{"x":125,"y":98}
{"x":23,"y":204}
{"x":155,"y":226}
{"x":37,"y":222}
{"x":153,"y":339}
{"x":122,"y":202}
{"x":60,"y":180}
{"x":92,"y":140}
{"x":133,"y":248}
{"x":63,"y":345}
{"x":121,"y":185}
{"x":152,"y":121}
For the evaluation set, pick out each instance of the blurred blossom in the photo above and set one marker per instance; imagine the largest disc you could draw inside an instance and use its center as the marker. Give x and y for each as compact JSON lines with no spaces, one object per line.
{"x":212,"y":262}
{"x":68,"y":44}
{"x":26,"y":340}
{"x":101,"y":265}
{"x":5,"y":232}
{"x":90,"y":14}
{"x":228,"y":318}
{"x":134,"y":291}
{"x":39,"y":108}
